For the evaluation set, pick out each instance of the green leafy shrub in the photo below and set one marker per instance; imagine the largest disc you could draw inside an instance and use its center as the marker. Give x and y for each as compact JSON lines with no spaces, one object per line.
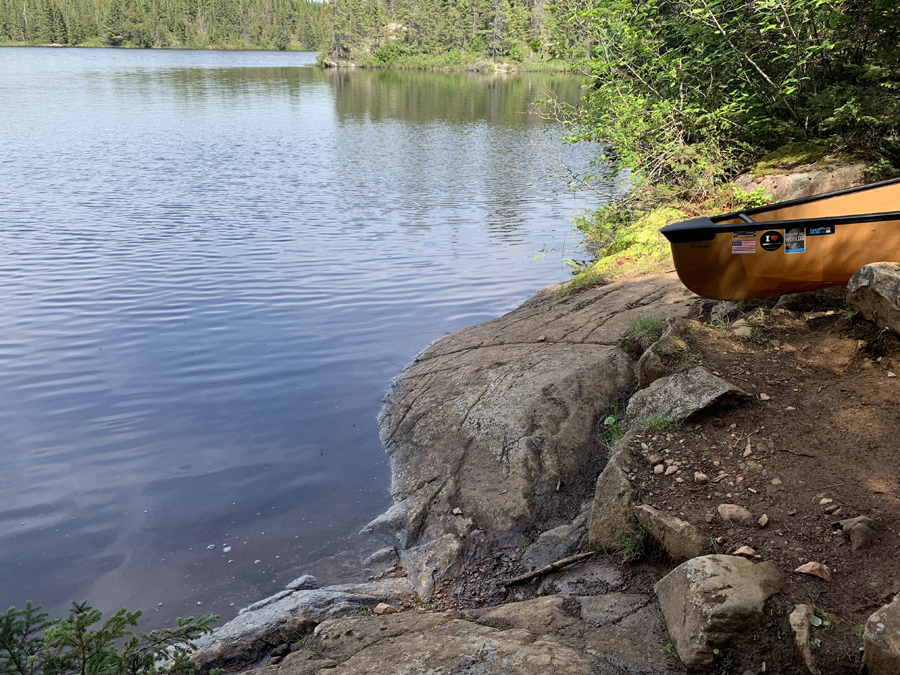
{"x":30,"y":644}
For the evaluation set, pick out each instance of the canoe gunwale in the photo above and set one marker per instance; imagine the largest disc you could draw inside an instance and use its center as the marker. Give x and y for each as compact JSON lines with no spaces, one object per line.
{"x":806,"y":200}
{"x":691,"y":230}
{"x":704,"y":229}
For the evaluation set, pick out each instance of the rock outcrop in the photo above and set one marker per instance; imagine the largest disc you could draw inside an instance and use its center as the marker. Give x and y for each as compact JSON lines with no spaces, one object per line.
{"x":881,"y":640}
{"x":711,"y":600}
{"x":875,"y":291}
{"x":610,"y":634}
{"x":794,"y":183}
{"x":491,"y":427}
{"x":243,"y":641}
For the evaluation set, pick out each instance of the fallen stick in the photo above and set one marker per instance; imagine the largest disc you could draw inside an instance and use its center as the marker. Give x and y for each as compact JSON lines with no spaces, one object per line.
{"x":552,"y":567}
{"x":799,"y":454}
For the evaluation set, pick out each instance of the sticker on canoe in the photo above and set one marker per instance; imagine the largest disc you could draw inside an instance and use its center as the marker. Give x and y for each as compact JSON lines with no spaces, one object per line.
{"x":771,"y":240}
{"x":745,"y":234}
{"x":819,"y":229}
{"x":795,"y":240}
{"x":743,"y":246}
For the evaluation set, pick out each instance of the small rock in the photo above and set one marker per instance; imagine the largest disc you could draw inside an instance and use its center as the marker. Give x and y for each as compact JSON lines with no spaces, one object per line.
{"x":788,"y":348}
{"x":775,"y":481}
{"x":890,"y":374}
{"x":734,"y":513}
{"x":708,"y":517}
{"x":825,"y":501}
{"x":659,"y":468}
{"x":747,"y":452}
{"x":799,"y":620}
{"x":654,"y":459}
{"x":742,"y":332}
{"x":816,"y":569}
{"x":848,"y":524}
{"x":700,"y":478}
{"x":210,"y":547}
{"x":383,"y":608}
{"x":457,"y":511}
{"x":763,"y":520}
{"x":862,"y":536}
{"x":671,"y":470}
{"x":746,"y":552}
{"x":764,"y":397}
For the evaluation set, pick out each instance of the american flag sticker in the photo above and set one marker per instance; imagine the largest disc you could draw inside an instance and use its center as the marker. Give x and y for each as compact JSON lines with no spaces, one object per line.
{"x":743,"y":246}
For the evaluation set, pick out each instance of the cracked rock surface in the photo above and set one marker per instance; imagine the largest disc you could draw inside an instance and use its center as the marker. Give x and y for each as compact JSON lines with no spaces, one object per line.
{"x":490,"y":427}
{"x":613,"y":634}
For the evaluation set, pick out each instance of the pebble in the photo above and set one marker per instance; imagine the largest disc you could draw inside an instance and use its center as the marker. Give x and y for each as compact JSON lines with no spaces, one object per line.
{"x":735,"y":513}
{"x":775,"y":481}
{"x":824,"y":501}
{"x":763,"y":520}
{"x":745,"y":551}
{"x":700,"y":478}
{"x":457,"y":511}
{"x":788,"y":348}
{"x":658,"y":469}
{"x":226,"y":549}
{"x":383,"y":608}
{"x":654,"y":459}
{"x":764,"y":397}
{"x":890,"y":374}
{"x":671,"y":470}
{"x":747,"y":452}
{"x":210,"y":547}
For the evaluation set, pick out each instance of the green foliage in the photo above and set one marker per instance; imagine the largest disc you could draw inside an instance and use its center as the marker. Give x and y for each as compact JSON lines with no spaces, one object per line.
{"x":646,"y":330}
{"x":683,"y":93}
{"x":789,"y":156}
{"x":632,"y":542}
{"x":224,"y":24}
{"x":76,"y":645}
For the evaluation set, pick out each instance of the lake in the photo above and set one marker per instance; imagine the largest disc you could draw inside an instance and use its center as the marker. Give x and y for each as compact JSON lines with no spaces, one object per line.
{"x":212,"y":264}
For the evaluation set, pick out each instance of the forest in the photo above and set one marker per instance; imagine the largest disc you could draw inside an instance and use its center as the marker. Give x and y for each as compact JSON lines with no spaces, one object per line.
{"x":192,"y":24}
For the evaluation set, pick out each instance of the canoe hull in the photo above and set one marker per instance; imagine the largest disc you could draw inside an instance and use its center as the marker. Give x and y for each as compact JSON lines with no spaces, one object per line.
{"x":828,"y":260}
{"x":803,"y":245}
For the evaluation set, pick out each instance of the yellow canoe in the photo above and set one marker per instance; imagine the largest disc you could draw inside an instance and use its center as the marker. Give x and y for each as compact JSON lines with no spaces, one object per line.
{"x":799,"y":245}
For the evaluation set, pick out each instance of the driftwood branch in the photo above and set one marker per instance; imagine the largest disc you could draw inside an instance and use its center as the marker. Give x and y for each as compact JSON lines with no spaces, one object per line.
{"x":552,"y":567}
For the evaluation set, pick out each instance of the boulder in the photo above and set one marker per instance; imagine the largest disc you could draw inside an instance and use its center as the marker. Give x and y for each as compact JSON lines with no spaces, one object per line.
{"x":244,"y":640}
{"x":679,"y":538}
{"x":875,"y":291}
{"x":498,"y":420}
{"x":799,"y":620}
{"x":554,"y":634}
{"x":612,"y":509}
{"x":881,"y":640}
{"x":785,"y":184}
{"x":679,"y":396}
{"x":710,"y":600}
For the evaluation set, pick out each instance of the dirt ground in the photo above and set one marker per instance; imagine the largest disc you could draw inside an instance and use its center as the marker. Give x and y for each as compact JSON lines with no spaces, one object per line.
{"x":817,"y":441}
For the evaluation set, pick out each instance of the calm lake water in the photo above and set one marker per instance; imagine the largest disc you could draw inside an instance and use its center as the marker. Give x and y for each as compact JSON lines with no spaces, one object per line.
{"x":211,"y":266}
